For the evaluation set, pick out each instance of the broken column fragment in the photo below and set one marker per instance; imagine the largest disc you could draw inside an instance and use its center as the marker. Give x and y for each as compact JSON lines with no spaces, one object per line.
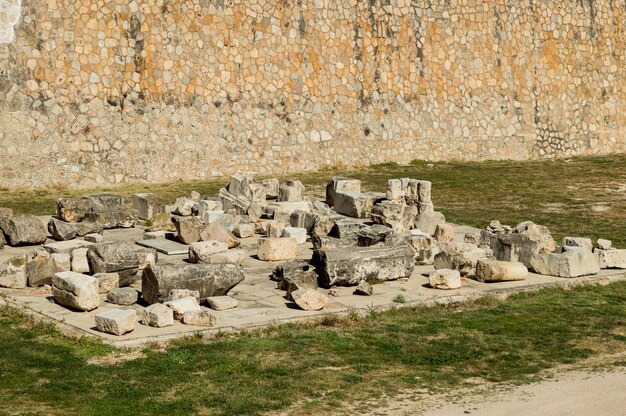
{"x":207,"y":279}
{"x":348,"y":266}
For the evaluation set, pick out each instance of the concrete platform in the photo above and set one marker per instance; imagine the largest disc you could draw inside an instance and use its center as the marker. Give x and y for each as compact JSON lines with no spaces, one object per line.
{"x":262,"y":304}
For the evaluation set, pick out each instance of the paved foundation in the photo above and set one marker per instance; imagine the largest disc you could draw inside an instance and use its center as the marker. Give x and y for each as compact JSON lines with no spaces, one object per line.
{"x":262,"y":304}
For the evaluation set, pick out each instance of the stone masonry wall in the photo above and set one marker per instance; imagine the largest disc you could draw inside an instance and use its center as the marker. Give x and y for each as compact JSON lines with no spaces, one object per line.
{"x":108,"y":91}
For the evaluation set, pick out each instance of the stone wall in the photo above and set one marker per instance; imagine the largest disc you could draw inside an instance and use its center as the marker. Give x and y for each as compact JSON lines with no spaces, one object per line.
{"x":105,"y":91}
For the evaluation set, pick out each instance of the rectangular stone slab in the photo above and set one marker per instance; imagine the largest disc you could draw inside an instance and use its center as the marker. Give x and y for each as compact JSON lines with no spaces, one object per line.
{"x":66,"y":246}
{"x":168,"y":247}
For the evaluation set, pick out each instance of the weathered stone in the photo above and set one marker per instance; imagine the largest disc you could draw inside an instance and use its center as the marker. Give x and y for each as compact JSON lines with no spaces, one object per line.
{"x":515,"y":247}
{"x":276,"y":249}
{"x":198,"y":318}
{"x":79,"y":260}
{"x":61,"y":230}
{"x":298,"y":280}
{"x":147,"y":205}
{"x":13,"y":272}
{"x":243,"y":185}
{"x":218,"y":232}
{"x":364,"y":289}
{"x":322,"y":242}
{"x":348,"y":266}
{"x":539,"y":234}
{"x":207,"y":279}
{"x":208,"y":206}
{"x":275,"y":229}
{"x":116,"y":321}
{"x":182,"y":306}
{"x":357,"y":205}
{"x":123,"y":217}
{"x":107,"y":281}
{"x":604,"y":244}
{"x":473,"y":237}
{"x":158,"y":315}
{"x":22,"y":230}
{"x":159,"y":235}
{"x":343,"y":185}
{"x":182,"y":293}
{"x":463,"y":258}
{"x":446,"y":279}
{"x":244,"y":230}
{"x":115,"y":256}
{"x":228,"y":221}
{"x":428,"y":221}
{"x":369,"y":236}
{"x":299,"y":234}
{"x":571,"y":263}
{"x":500,"y":271}
{"x":39,"y":268}
{"x":123,"y":296}
{"x":291,"y":190}
{"x":309,"y":299}
{"x":426,"y":248}
{"x":85,"y":227}
{"x":94,"y":238}
{"x":66,"y":247}
{"x":228,"y":257}
{"x":71,"y":209}
{"x":201,"y":251}
{"x":289,"y":268}
{"x":612,"y":259}
{"x":238,"y":203}
{"x":347,"y":229}
{"x":271,"y":187}
{"x":394,"y":214}
{"x":395,"y":190}
{"x":62,"y":262}
{"x":578,"y":242}
{"x":185,"y":207}
{"x":188,"y":228}
{"x":3,"y":241}
{"x":444,"y":234}
{"x":221,"y":303}
{"x":75,"y":290}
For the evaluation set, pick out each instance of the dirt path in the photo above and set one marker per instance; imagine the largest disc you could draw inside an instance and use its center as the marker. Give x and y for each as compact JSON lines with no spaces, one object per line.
{"x":572,"y":393}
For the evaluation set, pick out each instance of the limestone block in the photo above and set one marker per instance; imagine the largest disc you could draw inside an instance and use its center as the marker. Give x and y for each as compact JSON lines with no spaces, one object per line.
{"x":116,"y":321}
{"x":612,"y":259}
{"x":158,"y":315}
{"x":463,"y":258}
{"x":198,"y":318}
{"x":221,"y":303}
{"x":13,"y":272}
{"x":201,"y":251}
{"x":343,"y":185}
{"x":394,"y":214}
{"x":578,"y":242}
{"x":61,"y":230}
{"x":428,"y":221}
{"x":446,"y":279}
{"x":80,"y":263}
{"x":207,"y":279}
{"x":244,"y":230}
{"x":373,"y":235}
{"x":291,"y":190}
{"x":276,"y":249}
{"x":39,"y":268}
{"x":107,"y":281}
{"x":444,"y":234}
{"x":115,"y":256}
{"x":94,"y":238}
{"x":347,"y":266}
{"x":217,"y":232}
{"x":571,"y":263}
{"x":228,"y":257}
{"x":364,"y":289}
{"x":123,"y":296}
{"x":604,"y":244}
{"x":147,"y":204}
{"x":182,"y":306}
{"x":185,"y":207}
{"x":500,"y":271}
{"x":356,"y":205}
{"x":62,"y":262}
{"x":538,"y":233}
{"x":275,"y":229}
{"x":271,"y":187}
{"x":84,"y":228}
{"x":299,"y":234}
{"x":309,"y":299}
{"x":183,"y":293}
{"x":71,"y":209}
{"x":22,"y":230}
{"x":188,"y":228}
{"x":75,"y":290}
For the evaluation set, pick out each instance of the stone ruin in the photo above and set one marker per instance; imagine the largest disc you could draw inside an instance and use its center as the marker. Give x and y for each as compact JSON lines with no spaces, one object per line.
{"x":357,"y":238}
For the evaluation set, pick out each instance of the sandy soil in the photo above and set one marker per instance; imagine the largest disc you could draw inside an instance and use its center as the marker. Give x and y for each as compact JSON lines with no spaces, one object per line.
{"x":572,"y":393}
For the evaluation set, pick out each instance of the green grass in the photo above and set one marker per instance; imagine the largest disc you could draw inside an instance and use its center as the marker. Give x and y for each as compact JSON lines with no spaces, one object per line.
{"x":313,"y":368}
{"x":564,"y":195}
